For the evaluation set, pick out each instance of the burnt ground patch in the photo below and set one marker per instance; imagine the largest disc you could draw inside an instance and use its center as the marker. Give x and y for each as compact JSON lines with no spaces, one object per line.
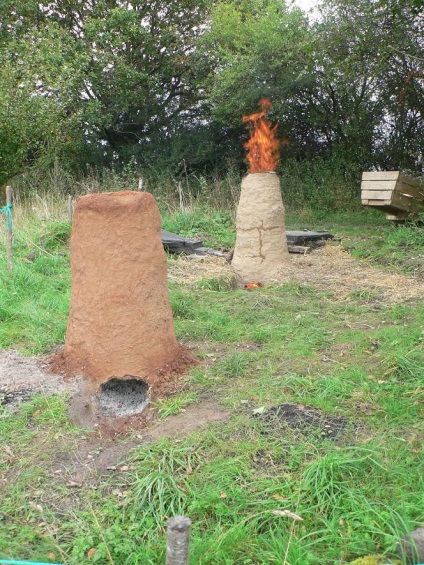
{"x":303,"y":421}
{"x":11,"y":399}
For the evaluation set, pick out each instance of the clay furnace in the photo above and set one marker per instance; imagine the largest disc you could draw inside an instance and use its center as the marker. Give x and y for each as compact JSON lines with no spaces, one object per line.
{"x":120,"y":323}
{"x":261,"y":244}
{"x":261,"y":251}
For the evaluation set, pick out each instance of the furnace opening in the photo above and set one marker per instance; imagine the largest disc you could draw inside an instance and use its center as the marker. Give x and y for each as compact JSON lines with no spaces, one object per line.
{"x":123,"y":397}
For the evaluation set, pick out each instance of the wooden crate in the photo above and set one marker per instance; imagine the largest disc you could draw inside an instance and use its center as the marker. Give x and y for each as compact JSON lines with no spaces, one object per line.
{"x":392,"y":192}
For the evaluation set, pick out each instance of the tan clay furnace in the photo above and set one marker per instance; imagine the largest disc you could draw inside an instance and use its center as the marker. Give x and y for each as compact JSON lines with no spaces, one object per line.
{"x":261,"y":251}
{"x":120,"y":322}
{"x":261,"y":244}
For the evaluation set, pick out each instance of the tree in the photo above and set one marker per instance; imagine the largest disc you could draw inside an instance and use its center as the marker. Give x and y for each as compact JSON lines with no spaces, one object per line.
{"x":347,"y":88}
{"x":39,"y":114}
{"x":118,"y":74}
{"x":255,"y":49}
{"x":362,"y":63}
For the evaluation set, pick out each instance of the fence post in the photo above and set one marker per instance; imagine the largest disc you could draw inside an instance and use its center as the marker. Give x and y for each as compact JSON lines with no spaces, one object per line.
{"x":177,"y":540}
{"x":9,"y":227}
{"x":70,"y":208}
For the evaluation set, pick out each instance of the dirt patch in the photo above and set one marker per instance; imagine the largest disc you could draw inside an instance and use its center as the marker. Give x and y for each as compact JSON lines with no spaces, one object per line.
{"x":190,"y":420}
{"x":99,"y":453}
{"x":329,"y":268}
{"x":106,"y":442}
{"x":22,"y":377}
{"x":302,"y":420}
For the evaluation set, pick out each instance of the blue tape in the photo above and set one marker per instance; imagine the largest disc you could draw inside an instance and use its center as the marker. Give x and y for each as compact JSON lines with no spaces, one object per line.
{"x":8,"y":562}
{"x":9,"y":218}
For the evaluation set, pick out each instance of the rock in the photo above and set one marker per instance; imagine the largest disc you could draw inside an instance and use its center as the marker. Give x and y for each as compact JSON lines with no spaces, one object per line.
{"x":411,"y":547}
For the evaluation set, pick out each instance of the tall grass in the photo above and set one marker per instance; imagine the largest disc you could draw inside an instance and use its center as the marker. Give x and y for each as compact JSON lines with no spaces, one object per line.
{"x":183,"y":192}
{"x":316,"y":185}
{"x":258,"y":490}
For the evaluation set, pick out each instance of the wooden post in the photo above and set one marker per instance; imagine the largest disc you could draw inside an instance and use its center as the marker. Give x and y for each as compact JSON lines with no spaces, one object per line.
{"x":177,"y":540}
{"x":70,"y":208}
{"x":9,"y":228}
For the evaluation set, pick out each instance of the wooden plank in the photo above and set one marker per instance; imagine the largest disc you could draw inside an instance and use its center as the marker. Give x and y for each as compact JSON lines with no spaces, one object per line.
{"x":376,"y":194}
{"x":392,"y":180}
{"x":387,"y":207}
{"x":380,"y":175}
{"x":368,"y":202}
{"x":406,"y":188}
{"x":397,"y":217}
{"x":406,"y":203}
{"x":378,"y":185}
{"x":415,"y":203}
{"x":407,"y":179}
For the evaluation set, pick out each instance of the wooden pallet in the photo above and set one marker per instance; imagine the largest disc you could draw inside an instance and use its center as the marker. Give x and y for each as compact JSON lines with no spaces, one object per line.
{"x":392,"y":192}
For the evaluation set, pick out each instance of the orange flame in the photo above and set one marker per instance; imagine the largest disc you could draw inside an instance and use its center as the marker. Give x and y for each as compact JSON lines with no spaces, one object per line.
{"x":262,"y":147}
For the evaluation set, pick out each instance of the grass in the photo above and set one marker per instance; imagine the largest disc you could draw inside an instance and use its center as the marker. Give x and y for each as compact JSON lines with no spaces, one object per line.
{"x":256,"y":493}
{"x":396,"y":247}
{"x":174,"y":405}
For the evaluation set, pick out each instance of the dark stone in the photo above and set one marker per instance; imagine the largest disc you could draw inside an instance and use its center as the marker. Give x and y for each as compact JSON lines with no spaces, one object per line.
{"x":174,"y":243}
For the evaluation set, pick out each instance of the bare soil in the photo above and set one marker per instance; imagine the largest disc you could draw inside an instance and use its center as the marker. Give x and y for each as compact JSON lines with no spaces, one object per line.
{"x":107,"y":441}
{"x":21,"y":377}
{"x":329,"y":268}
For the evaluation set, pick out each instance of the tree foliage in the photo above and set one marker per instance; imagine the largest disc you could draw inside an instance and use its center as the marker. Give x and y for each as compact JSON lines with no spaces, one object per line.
{"x":348,"y":87}
{"x":164,"y":83}
{"x":114,"y":73}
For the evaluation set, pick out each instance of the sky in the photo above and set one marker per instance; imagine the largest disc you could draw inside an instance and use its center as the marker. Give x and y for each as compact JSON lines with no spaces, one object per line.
{"x":306,"y":4}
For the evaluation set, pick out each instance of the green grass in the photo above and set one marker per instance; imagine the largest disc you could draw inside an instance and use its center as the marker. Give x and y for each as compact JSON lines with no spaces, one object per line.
{"x":396,"y":247}
{"x":34,"y":298}
{"x":172,"y":405}
{"x":215,"y":228}
{"x":256,"y":493}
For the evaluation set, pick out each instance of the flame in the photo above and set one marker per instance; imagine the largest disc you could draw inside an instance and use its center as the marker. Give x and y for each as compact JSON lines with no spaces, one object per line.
{"x":252,"y":285}
{"x":262,"y":147}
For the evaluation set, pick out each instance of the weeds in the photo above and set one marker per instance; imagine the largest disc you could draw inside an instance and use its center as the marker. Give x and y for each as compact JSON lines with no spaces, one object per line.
{"x":174,"y":404}
{"x":256,"y":491}
{"x":395,"y":247}
{"x":234,"y":365}
{"x":219,"y":284}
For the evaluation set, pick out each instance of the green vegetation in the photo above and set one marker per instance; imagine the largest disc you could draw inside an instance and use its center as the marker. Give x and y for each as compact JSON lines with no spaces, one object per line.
{"x":258,"y":490}
{"x":99,"y":92}
{"x":395,"y":247}
{"x":34,"y":301}
{"x":98,"y":96}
